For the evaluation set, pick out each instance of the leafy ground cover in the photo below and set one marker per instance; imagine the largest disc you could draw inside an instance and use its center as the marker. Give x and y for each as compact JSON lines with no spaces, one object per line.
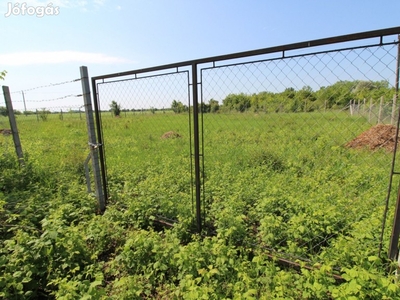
{"x":275,"y":186}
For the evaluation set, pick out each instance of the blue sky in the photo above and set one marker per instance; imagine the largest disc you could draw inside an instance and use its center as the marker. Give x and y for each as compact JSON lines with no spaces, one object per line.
{"x":113,"y":36}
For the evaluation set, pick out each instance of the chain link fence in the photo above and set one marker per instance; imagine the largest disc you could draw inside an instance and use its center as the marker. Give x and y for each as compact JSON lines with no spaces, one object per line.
{"x":286,"y":149}
{"x":293,"y":152}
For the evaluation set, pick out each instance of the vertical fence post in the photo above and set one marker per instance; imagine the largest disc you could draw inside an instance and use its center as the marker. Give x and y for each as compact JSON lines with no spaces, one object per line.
{"x":364,"y":108}
{"x":370,"y":110}
{"x":393,"y":120}
{"x":92,"y":138}
{"x":196,"y":147}
{"x":393,"y":251}
{"x":351,"y":107}
{"x":394,"y":240}
{"x":13,"y":124}
{"x":380,"y":111}
{"x":23,"y":98}
{"x":100,"y":140}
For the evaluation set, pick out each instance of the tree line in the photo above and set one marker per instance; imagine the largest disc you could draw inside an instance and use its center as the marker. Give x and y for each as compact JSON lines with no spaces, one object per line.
{"x":336,"y":96}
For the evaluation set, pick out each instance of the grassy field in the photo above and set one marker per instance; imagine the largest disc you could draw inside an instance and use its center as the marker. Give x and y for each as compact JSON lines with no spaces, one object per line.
{"x":280,"y":185}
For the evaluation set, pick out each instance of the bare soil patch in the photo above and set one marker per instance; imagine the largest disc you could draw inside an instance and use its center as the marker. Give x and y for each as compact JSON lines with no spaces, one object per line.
{"x":171,"y":135}
{"x":5,"y":131}
{"x":377,"y":137}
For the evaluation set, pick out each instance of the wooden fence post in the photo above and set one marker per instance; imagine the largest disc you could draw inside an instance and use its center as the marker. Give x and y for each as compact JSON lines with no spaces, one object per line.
{"x":13,"y":124}
{"x":394,"y":110}
{"x":380,"y":111}
{"x":351,"y":107}
{"x":371,"y":106}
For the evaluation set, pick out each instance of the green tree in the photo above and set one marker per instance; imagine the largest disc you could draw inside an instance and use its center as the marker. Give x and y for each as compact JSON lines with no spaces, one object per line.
{"x":266,"y":102}
{"x":2,"y":75}
{"x":337,"y":95}
{"x":115,"y":108}
{"x":214,"y":105}
{"x":289,"y":92}
{"x":305,"y":98}
{"x":204,"y":108}
{"x":178,"y":107}
{"x":3,"y":111}
{"x":371,"y":89}
{"x":287,"y":101}
{"x":43,"y":114}
{"x":239,"y":102}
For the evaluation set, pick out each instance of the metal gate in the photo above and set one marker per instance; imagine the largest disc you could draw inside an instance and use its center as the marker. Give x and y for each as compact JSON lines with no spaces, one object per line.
{"x":226,"y":114}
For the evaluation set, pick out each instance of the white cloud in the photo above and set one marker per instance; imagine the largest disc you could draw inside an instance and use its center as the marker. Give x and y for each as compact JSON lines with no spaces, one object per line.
{"x":58,"y":57}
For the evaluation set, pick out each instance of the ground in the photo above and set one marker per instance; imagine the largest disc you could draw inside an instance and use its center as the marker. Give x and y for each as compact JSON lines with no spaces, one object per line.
{"x":5,"y":131}
{"x":170,"y":134}
{"x":377,"y":137}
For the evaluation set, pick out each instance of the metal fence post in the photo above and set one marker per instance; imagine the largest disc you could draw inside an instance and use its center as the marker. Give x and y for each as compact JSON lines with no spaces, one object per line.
{"x":92,"y":138}
{"x":393,"y":251}
{"x":394,"y":239}
{"x":13,"y":124}
{"x":196,"y":147}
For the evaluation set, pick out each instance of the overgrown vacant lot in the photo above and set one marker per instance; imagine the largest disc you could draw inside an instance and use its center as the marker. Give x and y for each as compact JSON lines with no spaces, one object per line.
{"x":274,"y":186}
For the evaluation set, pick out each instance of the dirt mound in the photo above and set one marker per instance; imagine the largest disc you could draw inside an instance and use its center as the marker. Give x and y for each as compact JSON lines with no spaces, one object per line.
{"x":5,"y":131}
{"x":377,"y":137}
{"x":171,"y":135}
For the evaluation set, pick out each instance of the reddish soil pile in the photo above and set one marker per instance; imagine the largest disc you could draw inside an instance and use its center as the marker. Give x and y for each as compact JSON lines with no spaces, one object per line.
{"x":171,"y":134}
{"x":377,"y":137}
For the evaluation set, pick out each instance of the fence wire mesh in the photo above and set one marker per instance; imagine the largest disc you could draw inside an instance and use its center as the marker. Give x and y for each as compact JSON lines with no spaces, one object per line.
{"x":295,"y":148}
{"x":146,"y":125}
{"x":298,"y":151}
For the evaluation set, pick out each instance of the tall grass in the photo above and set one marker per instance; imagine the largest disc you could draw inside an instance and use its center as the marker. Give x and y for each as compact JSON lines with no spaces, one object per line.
{"x":273,"y":185}
{"x":258,"y":170}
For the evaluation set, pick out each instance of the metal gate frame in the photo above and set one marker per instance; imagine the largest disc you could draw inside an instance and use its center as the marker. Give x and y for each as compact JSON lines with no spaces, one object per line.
{"x":193,"y":67}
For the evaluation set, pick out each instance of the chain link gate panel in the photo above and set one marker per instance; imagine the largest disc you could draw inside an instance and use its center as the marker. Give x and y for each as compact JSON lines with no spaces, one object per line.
{"x":288,"y":150}
{"x":146,"y":129}
{"x":298,"y":149}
